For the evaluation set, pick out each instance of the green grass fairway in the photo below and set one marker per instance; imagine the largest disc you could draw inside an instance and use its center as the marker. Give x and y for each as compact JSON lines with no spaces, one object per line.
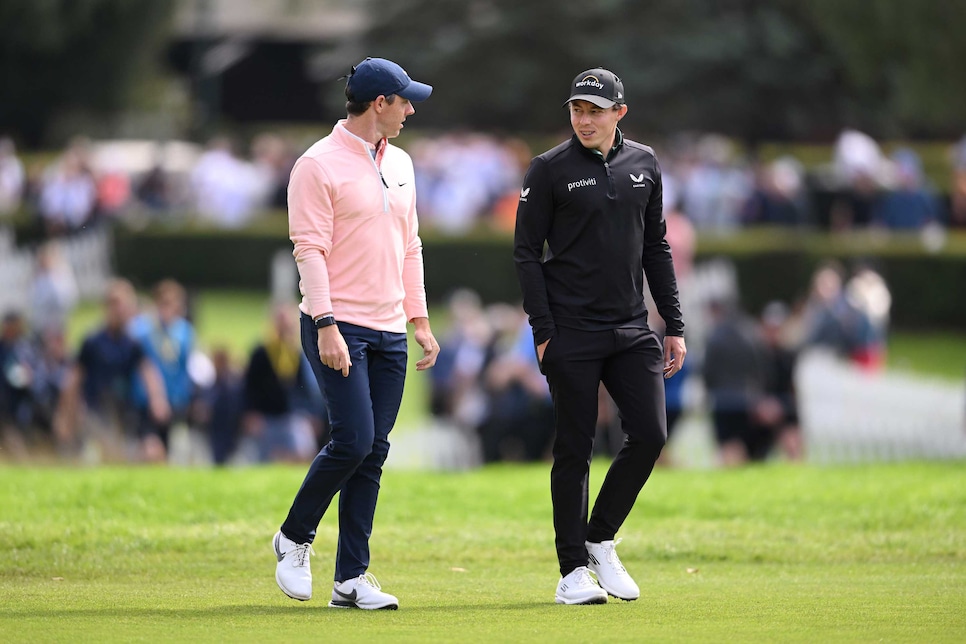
{"x":939,"y":354}
{"x":772,"y":553}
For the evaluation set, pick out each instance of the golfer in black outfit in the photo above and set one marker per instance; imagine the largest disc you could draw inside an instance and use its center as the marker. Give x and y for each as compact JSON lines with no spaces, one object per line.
{"x":595,"y":203}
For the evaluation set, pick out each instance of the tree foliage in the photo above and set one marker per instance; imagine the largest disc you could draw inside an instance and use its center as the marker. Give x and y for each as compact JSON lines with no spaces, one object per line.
{"x":903,"y":63}
{"x":73,"y":54}
{"x":757,"y":69}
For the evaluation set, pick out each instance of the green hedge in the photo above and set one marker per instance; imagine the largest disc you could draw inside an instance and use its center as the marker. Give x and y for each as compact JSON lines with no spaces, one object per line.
{"x":928,"y":287}
{"x":198,"y":260}
{"x":927,"y":291}
{"x":242,"y":260}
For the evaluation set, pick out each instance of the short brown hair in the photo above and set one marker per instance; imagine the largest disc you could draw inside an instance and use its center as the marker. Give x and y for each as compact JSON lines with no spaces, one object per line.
{"x":355,"y":108}
{"x":169,"y":288}
{"x":121,"y":290}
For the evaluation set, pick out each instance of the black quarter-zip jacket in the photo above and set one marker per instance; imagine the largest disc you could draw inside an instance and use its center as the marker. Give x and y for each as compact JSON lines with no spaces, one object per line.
{"x":588,"y":230}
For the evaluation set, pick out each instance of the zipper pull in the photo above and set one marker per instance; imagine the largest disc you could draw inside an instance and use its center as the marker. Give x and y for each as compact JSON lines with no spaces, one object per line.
{"x":383,"y":179}
{"x":611,"y":182}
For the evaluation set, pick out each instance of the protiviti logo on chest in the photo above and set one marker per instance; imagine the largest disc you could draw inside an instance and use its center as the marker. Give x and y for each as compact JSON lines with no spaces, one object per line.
{"x":581,"y":183}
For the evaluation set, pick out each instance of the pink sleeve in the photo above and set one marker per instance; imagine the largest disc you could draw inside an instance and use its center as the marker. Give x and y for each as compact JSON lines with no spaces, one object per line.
{"x":414,"y":303}
{"x":310,"y":219}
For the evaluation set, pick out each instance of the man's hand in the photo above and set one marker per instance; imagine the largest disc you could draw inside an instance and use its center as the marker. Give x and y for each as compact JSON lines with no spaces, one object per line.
{"x":333,"y":351}
{"x":158,"y":404}
{"x":424,"y":336}
{"x":160,"y":409}
{"x":541,"y":349}
{"x":674,"y":352}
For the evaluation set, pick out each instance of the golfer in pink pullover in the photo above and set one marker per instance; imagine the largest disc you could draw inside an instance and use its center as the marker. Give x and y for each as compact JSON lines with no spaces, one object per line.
{"x":352,"y":219}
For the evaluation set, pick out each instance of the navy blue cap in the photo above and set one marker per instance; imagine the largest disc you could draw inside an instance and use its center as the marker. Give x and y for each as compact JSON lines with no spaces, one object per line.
{"x":380,"y":77}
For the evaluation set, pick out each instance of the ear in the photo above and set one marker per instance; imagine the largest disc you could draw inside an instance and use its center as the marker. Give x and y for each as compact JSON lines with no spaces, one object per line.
{"x":622,"y":112}
{"x":379,"y":103}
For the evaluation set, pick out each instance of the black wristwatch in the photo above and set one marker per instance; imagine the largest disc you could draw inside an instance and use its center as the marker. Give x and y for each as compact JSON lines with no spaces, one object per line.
{"x":325,"y":320}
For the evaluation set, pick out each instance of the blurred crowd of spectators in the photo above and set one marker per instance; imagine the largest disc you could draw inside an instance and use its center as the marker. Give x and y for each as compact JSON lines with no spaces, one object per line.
{"x":138,"y":384}
{"x":487,"y":382}
{"x":90,"y":183}
{"x":465,"y":180}
{"x":138,"y":387}
{"x":859,"y":187}
{"x":747,"y":364}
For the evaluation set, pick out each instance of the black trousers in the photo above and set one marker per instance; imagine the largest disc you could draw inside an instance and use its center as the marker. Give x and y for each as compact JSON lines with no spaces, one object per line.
{"x":629,"y":362}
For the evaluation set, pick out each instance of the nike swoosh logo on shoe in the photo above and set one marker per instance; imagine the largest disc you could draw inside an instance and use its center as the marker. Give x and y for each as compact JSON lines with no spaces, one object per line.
{"x":350,"y":596}
{"x":278,"y":553}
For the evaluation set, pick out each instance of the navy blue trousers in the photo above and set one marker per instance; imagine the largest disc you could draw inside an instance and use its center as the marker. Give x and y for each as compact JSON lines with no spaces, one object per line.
{"x":362,"y":410}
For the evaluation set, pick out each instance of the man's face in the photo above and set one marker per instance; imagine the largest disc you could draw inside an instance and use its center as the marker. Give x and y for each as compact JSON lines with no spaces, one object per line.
{"x":391,"y":116}
{"x":118,"y":309}
{"x":595,"y":126}
{"x":169,"y":308}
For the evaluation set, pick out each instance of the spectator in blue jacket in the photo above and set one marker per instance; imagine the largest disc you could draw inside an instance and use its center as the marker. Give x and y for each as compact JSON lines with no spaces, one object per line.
{"x":167,"y":339}
{"x":911,"y":204}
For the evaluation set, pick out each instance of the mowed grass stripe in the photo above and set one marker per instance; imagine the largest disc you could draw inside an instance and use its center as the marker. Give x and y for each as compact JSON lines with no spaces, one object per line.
{"x":777,"y":553}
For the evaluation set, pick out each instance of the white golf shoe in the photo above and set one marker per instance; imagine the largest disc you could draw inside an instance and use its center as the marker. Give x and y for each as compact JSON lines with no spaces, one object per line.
{"x":362,"y":592}
{"x":293,"y":574}
{"x":611,"y":574}
{"x":579,"y":587}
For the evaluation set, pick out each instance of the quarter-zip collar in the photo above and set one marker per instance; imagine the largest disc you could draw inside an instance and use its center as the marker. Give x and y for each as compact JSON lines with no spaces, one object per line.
{"x":357,"y":144}
{"x":354,"y":143}
{"x":618,"y":144}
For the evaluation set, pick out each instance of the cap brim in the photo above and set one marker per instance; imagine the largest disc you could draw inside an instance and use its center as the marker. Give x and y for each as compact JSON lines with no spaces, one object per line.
{"x":416,"y":91}
{"x":599,"y":101}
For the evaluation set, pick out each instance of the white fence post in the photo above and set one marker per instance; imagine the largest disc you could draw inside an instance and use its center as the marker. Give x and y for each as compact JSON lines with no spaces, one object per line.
{"x":285,"y":276}
{"x":851,"y":415}
{"x":88,"y":254}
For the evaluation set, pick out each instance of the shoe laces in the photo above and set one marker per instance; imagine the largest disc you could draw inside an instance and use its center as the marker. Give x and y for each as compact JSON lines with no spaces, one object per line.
{"x":583,"y":577}
{"x":613,"y":559}
{"x":302,"y":553}
{"x":369,"y":580}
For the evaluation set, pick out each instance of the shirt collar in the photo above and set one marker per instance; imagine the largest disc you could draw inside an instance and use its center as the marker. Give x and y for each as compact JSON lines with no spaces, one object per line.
{"x":379,"y":148}
{"x":618,"y":139}
{"x":618,"y":142}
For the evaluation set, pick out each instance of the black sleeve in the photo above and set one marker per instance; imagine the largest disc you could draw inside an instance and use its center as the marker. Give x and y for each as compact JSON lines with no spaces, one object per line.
{"x":254,"y":380}
{"x":658,"y":266}
{"x":138,"y":356}
{"x":86,"y":356}
{"x":534,"y":217}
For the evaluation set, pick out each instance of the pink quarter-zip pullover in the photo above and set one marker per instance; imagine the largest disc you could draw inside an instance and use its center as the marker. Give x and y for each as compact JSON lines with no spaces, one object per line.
{"x":352,"y":220}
